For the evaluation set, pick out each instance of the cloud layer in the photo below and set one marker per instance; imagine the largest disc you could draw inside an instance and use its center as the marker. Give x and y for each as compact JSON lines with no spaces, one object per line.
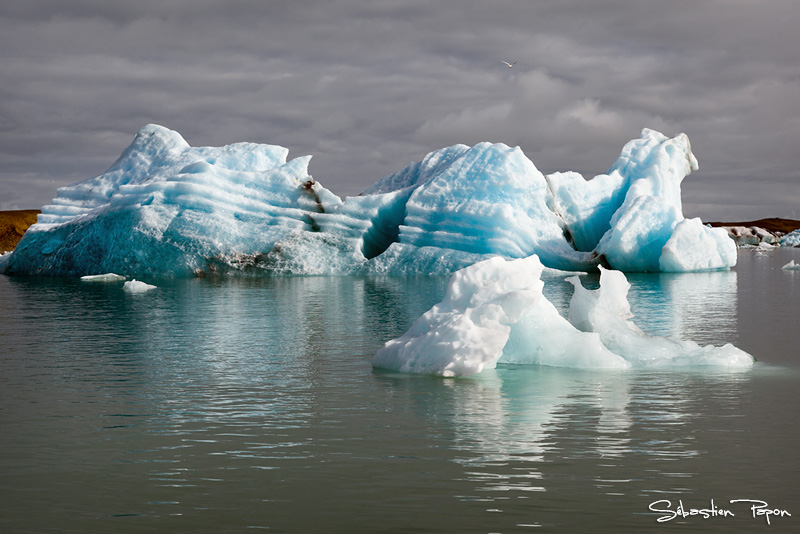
{"x":367,"y":87}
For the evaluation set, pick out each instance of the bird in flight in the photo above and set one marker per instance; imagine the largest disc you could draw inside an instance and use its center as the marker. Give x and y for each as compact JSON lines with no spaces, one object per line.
{"x":509,"y":65}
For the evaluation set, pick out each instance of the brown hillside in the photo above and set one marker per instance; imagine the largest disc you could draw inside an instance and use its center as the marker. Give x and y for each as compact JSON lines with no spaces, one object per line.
{"x":13,"y":225}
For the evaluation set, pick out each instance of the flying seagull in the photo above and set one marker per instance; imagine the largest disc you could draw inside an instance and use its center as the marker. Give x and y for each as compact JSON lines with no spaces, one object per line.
{"x":509,"y":65}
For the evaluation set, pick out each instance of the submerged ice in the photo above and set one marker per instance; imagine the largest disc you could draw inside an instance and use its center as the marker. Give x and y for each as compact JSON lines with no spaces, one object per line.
{"x":494,"y":312}
{"x":165,"y":208}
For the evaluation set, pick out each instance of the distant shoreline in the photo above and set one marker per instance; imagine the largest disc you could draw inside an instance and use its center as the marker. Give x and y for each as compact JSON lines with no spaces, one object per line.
{"x":775,"y":224}
{"x":14,"y":223}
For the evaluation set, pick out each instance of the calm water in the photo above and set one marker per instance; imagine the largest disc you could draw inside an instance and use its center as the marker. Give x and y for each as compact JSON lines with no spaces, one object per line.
{"x":223,"y":406}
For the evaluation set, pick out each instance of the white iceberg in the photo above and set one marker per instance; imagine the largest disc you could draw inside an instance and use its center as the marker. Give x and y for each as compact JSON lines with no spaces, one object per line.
{"x":466,"y":332}
{"x":494,"y":312}
{"x":135,"y":286}
{"x":107,"y":277}
{"x":607,"y":312}
{"x":791,"y":266}
{"x":695,"y":247}
{"x":165,"y":208}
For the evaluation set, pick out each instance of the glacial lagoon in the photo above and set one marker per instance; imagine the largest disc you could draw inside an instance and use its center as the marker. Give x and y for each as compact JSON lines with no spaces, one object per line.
{"x":223,"y":405}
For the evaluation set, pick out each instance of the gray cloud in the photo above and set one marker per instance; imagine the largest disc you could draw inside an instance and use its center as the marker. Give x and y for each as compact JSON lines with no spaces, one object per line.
{"x":367,"y":87}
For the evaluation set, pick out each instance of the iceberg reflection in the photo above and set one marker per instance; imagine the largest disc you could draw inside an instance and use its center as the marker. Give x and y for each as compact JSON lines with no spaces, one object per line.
{"x":514,"y":428}
{"x":701,"y":306}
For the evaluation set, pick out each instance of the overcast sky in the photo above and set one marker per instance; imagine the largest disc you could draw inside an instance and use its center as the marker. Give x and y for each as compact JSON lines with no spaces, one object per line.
{"x":368,"y":87}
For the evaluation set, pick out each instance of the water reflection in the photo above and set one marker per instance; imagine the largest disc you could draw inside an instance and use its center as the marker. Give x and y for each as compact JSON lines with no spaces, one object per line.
{"x":770,"y":305}
{"x":519,"y":430}
{"x":700,"y":307}
{"x":247,"y":403}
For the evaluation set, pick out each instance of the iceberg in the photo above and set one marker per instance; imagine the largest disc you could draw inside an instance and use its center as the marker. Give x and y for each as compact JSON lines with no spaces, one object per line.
{"x":107,"y":277}
{"x":791,"y":266}
{"x":167,"y":209}
{"x":695,"y":247}
{"x":607,"y":312}
{"x":751,"y":235}
{"x":493,"y":312}
{"x":136,"y":286}
{"x":791,"y":239}
{"x":466,"y":332}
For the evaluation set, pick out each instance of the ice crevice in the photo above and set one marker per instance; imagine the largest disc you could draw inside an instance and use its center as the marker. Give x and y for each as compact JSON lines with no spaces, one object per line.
{"x":551,"y":205}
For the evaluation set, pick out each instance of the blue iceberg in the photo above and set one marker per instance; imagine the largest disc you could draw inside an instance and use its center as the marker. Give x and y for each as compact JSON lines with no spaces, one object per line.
{"x":166,"y":209}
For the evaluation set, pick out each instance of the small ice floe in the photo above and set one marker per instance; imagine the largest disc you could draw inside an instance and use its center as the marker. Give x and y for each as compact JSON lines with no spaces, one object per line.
{"x":791,"y":266}
{"x":107,"y":277}
{"x":764,"y":249}
{"x":135,"y":286}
